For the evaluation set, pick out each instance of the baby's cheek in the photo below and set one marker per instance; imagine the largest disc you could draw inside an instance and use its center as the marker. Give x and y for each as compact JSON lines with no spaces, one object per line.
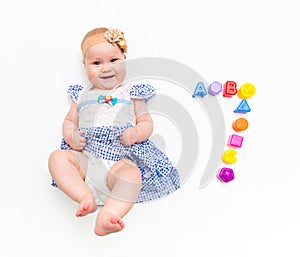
{"x":92,"y":72}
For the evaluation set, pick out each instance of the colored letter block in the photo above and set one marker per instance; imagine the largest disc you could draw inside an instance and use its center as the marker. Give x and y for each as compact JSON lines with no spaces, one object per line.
{"x":240,"y":124}
{"x":243,"y":107}
{"x":225,"y":175}
{"x":229,"y":156}
{"x":200,"y":90}
{"x":246,"y":91}
{"x":229,"y":89}
{"x":215,"y":88}
{"x":235,"y":141}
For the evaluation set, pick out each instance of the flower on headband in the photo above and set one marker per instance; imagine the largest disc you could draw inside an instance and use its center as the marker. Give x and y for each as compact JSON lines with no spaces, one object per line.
{"x":116,"y":37}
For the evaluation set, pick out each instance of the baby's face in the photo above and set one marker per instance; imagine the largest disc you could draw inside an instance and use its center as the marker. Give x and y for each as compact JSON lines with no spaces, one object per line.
{"x":105,"y":66}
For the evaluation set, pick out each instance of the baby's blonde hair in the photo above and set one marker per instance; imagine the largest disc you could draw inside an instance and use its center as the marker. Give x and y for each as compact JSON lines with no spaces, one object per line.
{"x":98,"y":35}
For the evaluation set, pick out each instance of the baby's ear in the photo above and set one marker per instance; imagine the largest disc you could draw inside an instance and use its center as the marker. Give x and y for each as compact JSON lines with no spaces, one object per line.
{"x":124,"y":56}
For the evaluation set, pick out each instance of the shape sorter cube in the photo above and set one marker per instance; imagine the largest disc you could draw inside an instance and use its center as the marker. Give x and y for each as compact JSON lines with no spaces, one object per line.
{"x":235,"y":140}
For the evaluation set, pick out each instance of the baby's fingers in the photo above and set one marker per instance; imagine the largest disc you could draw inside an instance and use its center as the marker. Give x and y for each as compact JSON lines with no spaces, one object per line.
{"x":82,"y":145}
{"x":124,"y":138}
{"x":81,"y":132}
{"x":82,"y":140}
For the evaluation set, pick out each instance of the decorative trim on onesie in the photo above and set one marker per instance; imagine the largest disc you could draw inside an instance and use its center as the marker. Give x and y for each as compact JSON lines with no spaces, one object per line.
{"x":102,"y":101}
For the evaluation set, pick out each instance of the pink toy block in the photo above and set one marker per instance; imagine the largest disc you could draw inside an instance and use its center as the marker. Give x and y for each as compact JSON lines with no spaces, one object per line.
{"x":235,"y":141}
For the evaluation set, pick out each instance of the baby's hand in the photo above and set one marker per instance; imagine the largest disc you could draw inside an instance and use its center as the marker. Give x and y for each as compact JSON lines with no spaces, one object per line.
{"x":78,"y":141}
{"x":129,"y":136}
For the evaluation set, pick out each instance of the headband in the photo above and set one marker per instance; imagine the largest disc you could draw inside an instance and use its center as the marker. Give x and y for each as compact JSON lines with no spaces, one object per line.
{"x":100,"y":35}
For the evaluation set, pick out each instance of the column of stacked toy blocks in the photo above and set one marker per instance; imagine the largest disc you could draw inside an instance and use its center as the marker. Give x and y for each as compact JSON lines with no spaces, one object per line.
{"x":229,"y":89}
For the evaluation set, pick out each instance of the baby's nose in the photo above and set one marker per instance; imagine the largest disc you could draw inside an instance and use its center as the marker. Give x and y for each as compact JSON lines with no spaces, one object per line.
{"x":106,"y":67}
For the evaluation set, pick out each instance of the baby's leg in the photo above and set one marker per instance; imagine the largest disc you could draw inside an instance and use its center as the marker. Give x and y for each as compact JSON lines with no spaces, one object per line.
{"x":124,"y":180}
{"x":68,"y":169}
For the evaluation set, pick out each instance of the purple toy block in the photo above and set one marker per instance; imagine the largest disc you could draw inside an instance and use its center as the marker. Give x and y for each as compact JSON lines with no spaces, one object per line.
{"x":235,"y":141}
{"x":215,"y":88}
{"x":226,"y":175}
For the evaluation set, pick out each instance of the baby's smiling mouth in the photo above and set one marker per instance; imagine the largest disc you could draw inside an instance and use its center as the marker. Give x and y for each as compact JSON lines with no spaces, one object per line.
{"x":107,"y":77}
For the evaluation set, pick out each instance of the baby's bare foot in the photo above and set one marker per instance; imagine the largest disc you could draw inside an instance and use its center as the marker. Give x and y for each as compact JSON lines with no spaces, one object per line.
{"x":87,"y":205}
{"x":107,"y":223}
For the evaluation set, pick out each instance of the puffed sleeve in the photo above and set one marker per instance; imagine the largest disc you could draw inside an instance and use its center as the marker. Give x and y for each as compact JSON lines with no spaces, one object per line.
{"x":142,"y":91}
{"x":74,"y":92}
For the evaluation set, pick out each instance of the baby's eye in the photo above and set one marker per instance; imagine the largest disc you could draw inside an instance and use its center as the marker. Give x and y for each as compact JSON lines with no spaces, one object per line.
{"x":96,"y":63}
{"x":114,"y":59}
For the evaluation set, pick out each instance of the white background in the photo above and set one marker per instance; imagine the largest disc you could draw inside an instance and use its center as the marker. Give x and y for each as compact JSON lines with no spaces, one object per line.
{"x":257,"y":214}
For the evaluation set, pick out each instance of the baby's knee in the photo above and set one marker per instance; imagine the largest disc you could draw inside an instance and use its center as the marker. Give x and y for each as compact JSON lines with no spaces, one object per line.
{"x":125,"y":182}
{"x":130,"y":172}
{"x":125,"y":170}
{"x":58,"y":156}
{"x":55,"y":155}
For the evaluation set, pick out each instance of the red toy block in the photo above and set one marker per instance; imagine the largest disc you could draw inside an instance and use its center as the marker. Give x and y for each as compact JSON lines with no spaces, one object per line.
{"x":229,"y":89}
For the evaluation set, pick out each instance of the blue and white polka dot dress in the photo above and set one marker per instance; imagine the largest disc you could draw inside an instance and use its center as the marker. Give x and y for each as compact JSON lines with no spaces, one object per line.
{"x":159,"y":177}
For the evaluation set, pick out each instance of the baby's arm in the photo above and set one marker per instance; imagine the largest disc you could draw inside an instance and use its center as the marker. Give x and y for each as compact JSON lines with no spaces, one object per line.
{"x":70,"y":133}
{"x":143,"y":128}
